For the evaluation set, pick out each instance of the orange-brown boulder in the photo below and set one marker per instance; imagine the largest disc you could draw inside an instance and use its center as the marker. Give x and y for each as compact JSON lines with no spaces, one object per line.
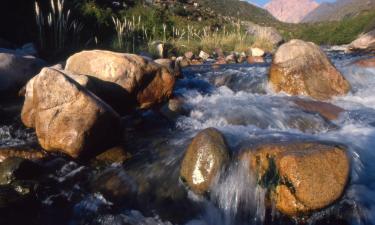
{"x":203,"y":160}
{"x":67,"y":117}
{"x":148,"y":82}
{"x":302,"y":68}
{"x":301,"y":177}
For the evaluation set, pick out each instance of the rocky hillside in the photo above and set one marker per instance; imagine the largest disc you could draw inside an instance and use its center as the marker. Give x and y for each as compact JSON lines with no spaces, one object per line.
{"x":339,"y":10}
{"x":239,"y":9}
{"x":291,"y":11}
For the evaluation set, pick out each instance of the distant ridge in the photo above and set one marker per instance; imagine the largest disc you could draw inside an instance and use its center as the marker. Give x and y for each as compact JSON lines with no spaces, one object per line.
{"x":339,"y":10}
{"x":241,"y":9}
{"x":291,"y":11}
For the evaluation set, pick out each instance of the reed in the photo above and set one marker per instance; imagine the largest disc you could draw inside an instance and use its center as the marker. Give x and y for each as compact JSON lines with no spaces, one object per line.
{"x":55,"y":26}
{"x":132,"y":36}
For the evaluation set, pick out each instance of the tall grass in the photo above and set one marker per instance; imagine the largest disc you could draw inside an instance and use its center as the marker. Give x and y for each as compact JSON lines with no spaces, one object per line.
{"x":132,"y":35}
{"x":56,"y":29}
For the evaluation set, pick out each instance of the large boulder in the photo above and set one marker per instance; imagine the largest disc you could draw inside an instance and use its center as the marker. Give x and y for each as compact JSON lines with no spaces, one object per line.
{"x":301,"y":177}
{"x":203,"y":160}
{"x":302,"y":68}
{"x":67,"y":117}
{"x":16,"y":70}
{"x":268,"y":34}
{"x":365,"y":42}
{"x":147,"y":82}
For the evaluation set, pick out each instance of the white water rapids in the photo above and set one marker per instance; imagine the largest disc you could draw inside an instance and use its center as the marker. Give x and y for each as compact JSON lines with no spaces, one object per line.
{"x":237,"y":100}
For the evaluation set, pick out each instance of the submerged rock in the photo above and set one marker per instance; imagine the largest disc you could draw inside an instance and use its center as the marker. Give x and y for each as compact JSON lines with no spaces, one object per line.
{"x":115,"y":185}
{"x":67,"y":117}
{"x":326,"y":110}
{"x":174,"y":108}
{"x":302,"y":68}
{"x":365,"y":62}
{"x":365,"y":42}
{"x":16,"y":70}
{"x":18,"y":169}
{"x":149,"y":83}
{"x":301,"y":177}
{"x":113,"y":155}
{"x":21,"y":152}
{"x":203,"y":160}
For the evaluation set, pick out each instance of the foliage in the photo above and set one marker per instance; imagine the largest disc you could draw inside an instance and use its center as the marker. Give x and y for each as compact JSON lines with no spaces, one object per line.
{"x":56,"y":29}
{"x":336,"y":32}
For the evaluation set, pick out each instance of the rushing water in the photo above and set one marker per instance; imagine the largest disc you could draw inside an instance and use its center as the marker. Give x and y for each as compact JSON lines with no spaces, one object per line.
{"x":236,"y":100}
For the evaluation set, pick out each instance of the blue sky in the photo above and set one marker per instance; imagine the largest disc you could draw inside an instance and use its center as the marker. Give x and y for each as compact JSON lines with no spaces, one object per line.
{"x":262,"y":2}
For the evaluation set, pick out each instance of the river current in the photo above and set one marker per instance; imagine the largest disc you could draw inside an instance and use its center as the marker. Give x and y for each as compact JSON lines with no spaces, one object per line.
{"x":236,"y":100}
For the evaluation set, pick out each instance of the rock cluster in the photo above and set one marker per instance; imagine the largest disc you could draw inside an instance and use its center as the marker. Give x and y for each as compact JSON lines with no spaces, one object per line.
{"x":74,"y":110}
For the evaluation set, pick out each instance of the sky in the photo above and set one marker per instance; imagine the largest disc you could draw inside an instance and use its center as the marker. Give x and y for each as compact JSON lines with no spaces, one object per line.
{"x":262,"y":2}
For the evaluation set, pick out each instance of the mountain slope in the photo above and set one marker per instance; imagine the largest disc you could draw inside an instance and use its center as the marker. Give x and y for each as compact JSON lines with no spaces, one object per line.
{"x":339,"y":10}
{"x":239,"y":9}
{"x":291,"y":11}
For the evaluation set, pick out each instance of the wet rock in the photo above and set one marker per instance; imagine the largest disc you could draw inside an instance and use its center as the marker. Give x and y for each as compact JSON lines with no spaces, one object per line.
{"x":14,"y":199}
{"x":113,"y":155}
{"x":365,"y":42}
{"x":21,"y":152}
{"x":196,"y":62}
{"x":221,"y":61}
{"x":365,"y":62}
{"x":174,"y":108}
{"x":203,"y":160}
{"x":14,"y":168}
{"x":241,"y":58}
{"x":301,"y":177}
{"x":255,"y":59}
{"x":183,"y":62}
{"x":115,"y":185}
{"x":203,"y":55}
{"x":269,"y":34}
{"x":67,"y":117}
{"x":302,"y":68}
{"x":257,"y":52}
{"x":173,"y":66}
{"x":16,"y":70}
{"x":149,"y":83}
{"x":231,"y":58}
{"x":326,"y":110}
{"x":189,"y":55}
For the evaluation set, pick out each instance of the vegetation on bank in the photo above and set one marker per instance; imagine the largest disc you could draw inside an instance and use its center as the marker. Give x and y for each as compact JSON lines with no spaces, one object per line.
{"x":137,"y":26}
{"x":335,"y":32}
{"x":66,"y":27}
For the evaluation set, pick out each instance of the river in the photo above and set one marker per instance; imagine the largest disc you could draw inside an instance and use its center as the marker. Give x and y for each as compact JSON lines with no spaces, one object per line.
{"x":236,"y":100}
